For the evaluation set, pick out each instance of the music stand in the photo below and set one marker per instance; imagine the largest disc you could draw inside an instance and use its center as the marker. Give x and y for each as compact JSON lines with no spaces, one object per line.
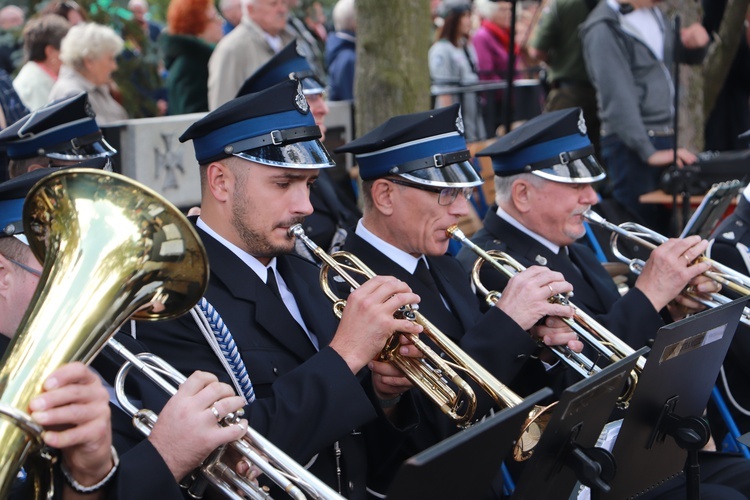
{"x":566,"y":454}
{"x":474,"y":455}
{"x":672,"y":393}
{"x":712,"y":209}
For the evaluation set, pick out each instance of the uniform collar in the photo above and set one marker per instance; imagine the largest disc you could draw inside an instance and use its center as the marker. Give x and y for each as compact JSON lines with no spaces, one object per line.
{"x":252,"y":262}
{"x":403,"y":259}
{"x":513,"y":222}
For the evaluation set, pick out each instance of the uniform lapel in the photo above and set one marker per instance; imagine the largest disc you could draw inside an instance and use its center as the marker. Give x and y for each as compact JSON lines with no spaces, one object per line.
{"x":245,"y":285}
{"x":530,"y":252}
{"x":431,"y":307}
{"x":461,"y":304}
{"x":316,"y":309}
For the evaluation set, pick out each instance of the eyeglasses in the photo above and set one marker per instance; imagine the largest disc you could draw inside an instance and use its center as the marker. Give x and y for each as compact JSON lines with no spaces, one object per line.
{"x":446,"y":195}
{"x":26,"y":268}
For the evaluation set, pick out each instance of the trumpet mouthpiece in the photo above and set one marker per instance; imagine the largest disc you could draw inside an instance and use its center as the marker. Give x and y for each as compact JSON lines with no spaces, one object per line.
{"x":296,"y":230}
{"x":593,"y":216}
{"x":455,"y":233}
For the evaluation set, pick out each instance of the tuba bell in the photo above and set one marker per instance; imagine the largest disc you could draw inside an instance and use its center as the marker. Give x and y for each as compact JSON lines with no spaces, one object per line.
{"x":111,"y":249}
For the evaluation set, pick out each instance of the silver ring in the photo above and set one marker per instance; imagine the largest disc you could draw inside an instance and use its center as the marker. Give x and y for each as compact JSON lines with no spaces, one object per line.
{"x":216,"y":413}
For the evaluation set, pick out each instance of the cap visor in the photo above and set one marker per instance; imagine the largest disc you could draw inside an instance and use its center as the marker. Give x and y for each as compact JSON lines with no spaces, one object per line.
{"x":311,"y":86}
{"x":97,"y":149}
{"x":460,"y":174}
{"x":303,"y":154}
{"x":580,"y":171}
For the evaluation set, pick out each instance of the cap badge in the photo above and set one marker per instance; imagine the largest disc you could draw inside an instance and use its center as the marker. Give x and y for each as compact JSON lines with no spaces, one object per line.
{"x":301,"y":50}
{"x":581,"y":124}
{"x":300,"y":101}
{"x":89,"y":110}
{"x":460,"y":123}
{"x":9,"y":229}
{"x":542,"y":261}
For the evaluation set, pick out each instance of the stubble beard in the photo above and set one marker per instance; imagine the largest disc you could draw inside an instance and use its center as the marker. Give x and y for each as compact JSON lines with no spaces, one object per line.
{"x":256,"y":243}
{"x":577,"y":235}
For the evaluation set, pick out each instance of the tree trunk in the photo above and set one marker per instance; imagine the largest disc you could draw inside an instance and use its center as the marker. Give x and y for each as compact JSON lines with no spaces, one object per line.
{"x":700,"y":84}
{"x":392,"y":76}
{"x":722,"y":51}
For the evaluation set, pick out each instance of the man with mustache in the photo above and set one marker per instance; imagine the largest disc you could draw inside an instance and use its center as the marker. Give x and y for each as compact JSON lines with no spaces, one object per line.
{"x":544,"y":175}
{"x":544,"y":172}
{"x":309,"y":389}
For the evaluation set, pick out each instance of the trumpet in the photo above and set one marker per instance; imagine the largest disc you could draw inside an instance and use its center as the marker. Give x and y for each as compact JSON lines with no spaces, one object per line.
{"x":649,"y":239}
{"x":432,"y":374}
{"x":289,"y":475}
{"x":587,"y":328}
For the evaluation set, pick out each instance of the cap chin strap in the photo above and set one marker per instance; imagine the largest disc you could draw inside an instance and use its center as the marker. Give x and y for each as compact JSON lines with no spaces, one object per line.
{"x":439,"y":160}
{"x":73,"y":144}
{"x":275,"y":138}
{"x":561,"y":159}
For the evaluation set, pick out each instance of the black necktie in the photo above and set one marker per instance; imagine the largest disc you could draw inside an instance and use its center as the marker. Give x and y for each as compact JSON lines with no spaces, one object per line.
{"x":565,"y":254}
{"x":272,"y":284}
{"x":423,"y":274}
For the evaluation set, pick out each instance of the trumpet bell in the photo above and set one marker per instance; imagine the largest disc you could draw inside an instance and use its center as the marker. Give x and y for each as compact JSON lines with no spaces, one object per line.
{"x":111,"y":248}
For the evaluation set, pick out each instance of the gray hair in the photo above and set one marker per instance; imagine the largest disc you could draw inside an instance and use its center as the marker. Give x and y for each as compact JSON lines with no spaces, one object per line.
{"x":344,"y":16}
{"x":225,"y":4}
{"x":485,"y":8}
{"x":504,"y":185}
{"x":89,"y":41}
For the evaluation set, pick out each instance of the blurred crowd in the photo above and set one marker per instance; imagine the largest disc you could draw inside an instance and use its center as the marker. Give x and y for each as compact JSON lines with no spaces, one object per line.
{"x":193,"y":62}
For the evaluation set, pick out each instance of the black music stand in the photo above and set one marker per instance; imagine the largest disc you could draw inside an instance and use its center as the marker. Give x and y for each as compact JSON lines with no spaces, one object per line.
{"x":473,"y":455}
{"x":663,"y":426}
{"x":567,"y":453}
{"x":712,"y":209}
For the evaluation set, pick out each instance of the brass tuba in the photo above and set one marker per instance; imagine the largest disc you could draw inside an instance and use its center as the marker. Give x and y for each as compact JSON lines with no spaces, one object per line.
{"x":431,"y":374}
{"x":604,"y":342}
{"x":111,"y":249}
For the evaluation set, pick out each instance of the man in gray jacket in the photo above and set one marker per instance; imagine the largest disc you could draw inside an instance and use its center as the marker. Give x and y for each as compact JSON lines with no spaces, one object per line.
{"x":261,"y":34}
{"x":629,"y":50}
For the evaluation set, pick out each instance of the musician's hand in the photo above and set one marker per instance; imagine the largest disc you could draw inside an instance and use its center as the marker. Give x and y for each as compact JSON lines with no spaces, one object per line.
{"x":684,"y":305}
{"x":525,"y":298}
{"x":553,"y":331}
{"x":694,"y":36}
{"x":665,"y":157}
{"x":388,"y":381}
{"x":367,"y":322}
{"x":242,"y":466}
{"x":669,"y":269}
{"x":188,"y":430}
{"x":74,"y":410}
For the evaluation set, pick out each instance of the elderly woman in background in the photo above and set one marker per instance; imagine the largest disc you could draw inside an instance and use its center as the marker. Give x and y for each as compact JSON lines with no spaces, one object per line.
{"x":88,"y":54}
{"x":453,"y":64}
{"x":492,"y":39}
{"x":41,"y":46}
{"x":193,"y":29}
